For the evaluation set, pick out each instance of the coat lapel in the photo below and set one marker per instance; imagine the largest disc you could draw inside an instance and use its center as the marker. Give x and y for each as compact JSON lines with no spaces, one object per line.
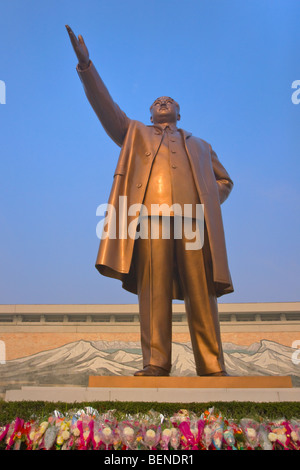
{"x":186,"y":134}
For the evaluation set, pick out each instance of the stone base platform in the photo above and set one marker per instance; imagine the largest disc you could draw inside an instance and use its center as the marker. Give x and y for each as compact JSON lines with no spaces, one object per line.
{"x":165,"y":389}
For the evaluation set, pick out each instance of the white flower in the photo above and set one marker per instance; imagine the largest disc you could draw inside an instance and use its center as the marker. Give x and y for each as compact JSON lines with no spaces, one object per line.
{"x":150,"y":433}
{"x":282,"y":438}
{"x":128,"y":431}
{"x":167,"y":432}
{"x":106,"y":432}
{"x":76,"y":432}
{"x":65,"y":435}
{"x":251,"y":432}
{"x":272,"y":437}
{"x":294,"y":436}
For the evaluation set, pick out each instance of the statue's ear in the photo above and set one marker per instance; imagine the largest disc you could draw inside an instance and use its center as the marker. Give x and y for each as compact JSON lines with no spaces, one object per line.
{"x":151,"y":118}
{"x":178,"y":117}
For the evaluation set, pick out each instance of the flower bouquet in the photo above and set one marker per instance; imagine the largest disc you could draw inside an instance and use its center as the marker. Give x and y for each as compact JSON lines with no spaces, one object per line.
{"x":234,"y":436}
{"x":151,"y":437}
{"x":250,"y":428}
{"x":192,"y":432}
{"x":295,"y":433}
{"x":89,"y":430}
{"x":280,"y":435}
{"x":128,"y":435}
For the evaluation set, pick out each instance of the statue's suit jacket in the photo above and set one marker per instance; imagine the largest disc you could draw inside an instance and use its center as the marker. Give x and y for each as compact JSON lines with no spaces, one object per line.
{"x":139,"y":144}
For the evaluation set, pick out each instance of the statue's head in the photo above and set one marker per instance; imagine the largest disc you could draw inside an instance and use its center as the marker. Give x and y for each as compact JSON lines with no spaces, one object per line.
{"x":163,"y":110}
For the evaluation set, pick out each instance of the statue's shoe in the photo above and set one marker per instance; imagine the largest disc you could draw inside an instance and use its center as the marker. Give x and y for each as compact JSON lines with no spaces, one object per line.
{"x":222,"y":373}
{"x":152,"y":371}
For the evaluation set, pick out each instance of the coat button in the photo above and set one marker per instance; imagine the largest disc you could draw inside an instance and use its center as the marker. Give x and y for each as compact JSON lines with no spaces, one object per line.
{"x":139,"y":185}
{"x":173,"y":151}
{"x":174,"y":166}
{"x":148,"y":154}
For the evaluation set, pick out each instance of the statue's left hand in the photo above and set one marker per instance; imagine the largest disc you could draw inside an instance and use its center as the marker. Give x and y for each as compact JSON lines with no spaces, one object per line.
{"x":80,"y":48}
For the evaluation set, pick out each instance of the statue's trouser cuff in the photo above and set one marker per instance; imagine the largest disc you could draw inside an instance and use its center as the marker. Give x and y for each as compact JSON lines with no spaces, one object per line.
{"x":157,"y":261}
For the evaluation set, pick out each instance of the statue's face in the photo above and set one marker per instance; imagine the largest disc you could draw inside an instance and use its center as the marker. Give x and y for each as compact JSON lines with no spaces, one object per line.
{"x":163,"y":110}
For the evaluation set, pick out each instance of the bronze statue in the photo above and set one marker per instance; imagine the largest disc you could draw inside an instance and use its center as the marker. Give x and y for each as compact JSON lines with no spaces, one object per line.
{"x":161,"y":164}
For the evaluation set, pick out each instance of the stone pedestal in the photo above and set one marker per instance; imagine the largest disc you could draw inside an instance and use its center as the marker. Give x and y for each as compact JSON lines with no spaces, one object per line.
{"x":191,"y":382}
{"x":166,"y":390}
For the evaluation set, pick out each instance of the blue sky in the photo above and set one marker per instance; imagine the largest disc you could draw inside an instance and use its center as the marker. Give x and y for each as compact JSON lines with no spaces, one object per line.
{"x":230,"y":65}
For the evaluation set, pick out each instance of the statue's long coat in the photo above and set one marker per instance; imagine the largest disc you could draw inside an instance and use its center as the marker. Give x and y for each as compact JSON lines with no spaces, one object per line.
{"x":139,"y":144}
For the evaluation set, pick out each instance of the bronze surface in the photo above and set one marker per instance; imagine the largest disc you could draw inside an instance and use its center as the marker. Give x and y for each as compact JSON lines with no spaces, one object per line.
{"x":160,"y":163}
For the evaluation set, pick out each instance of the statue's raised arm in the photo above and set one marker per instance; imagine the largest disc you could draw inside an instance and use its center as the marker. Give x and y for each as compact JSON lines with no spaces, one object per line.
{"x":113,"y":119}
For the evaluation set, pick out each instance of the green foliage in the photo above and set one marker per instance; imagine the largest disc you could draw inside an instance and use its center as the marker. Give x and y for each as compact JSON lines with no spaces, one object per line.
{"x":236,"y":410}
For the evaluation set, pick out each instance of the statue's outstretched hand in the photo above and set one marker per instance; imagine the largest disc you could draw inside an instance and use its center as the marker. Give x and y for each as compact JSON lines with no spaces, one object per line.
{"x":80,"y":48}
